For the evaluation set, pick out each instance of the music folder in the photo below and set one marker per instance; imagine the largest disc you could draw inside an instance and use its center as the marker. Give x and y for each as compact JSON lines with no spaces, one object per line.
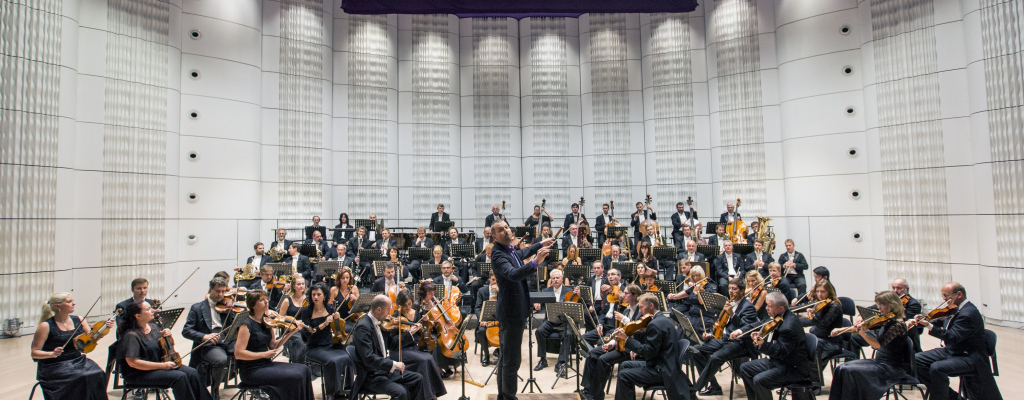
{"x":542,"y":297}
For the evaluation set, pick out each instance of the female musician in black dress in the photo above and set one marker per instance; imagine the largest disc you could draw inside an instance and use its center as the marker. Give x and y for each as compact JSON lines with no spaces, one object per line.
{"x":319,"y":344}
{"x":139,"y":356}
{"x":756,"y":292}
{"x":344,"y":293}
{"x":825,"y":320}
{"x":414,"y":359}
{"x":62,"y":371}
{"x":692,"y":305}
{"x":645,"y":255}
{"x":290,"y":306}
{"x":255,"y":347}
{"x":869,"y":379}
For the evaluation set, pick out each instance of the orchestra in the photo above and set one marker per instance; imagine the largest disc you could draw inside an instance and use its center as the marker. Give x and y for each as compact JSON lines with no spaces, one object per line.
{"x":732,"y":299}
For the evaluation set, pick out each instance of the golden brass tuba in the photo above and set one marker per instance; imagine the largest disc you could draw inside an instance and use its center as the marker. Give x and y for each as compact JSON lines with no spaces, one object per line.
{"x":765,"y":234}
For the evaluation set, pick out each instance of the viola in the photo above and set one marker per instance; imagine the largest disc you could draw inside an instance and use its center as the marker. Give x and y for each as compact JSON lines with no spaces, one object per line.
{"x":571,"y":297}
{"x":86,"y":342}
{"x":276,"y":284}
{"x":904,"y":299}
{"x":427,"y":340}
{"x":629,"y":328}
{"x":235,"y":307}
{"x":392,"y":323}
{"x":166,"y":343}
{"x":771,"y":326}
{"x":723,"y":320}
{"x":942,"y":311}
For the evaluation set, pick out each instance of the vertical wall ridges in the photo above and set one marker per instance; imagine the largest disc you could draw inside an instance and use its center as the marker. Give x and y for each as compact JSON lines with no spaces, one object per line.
{"x":30,"y":44}
{"x":548,"y":109}
{"x":610,"y":105}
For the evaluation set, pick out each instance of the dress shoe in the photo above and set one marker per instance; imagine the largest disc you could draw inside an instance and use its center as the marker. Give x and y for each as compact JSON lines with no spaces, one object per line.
{"x":496,"y":352}
{"x":541,"y":365}
{"x":485,"y":360}
{"x":711,"y":391}
{"x":447,"y":373}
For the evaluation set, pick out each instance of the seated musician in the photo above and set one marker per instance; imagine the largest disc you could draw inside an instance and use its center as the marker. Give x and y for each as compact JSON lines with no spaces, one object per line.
{"x":320,"y":344}
{"x":489,"y":292}
{"x":384,"y":283}
{"x":380,"y":374}
{"x":484,"y":256}
{"x":340,"y":253}
{"x":464,"y":268}
{"x":648,"y":279}
{"x":343,"y":230}
{"x":448,"y":278}
{"x":281,"y":244}
{"x":204,"y":323}
{"x":825,"y":321}
{"x":870,"y":379}
{"x":401,"y":272}
{"x":318,"y":241}
{"x":255,"y":348}
{"x":756,"y":292}
{"x":344,"y":293}
{"x":615,"y":256}
{"x":682,"y":275}
{"x":651,"y":237}
{"x":728,"y":265}
{"x":709,"y":356}
{"x":428,"y":302}
{"x":415,"y":360}
{"x":691,"y":304}
{"x":439,"y":216}
{"x":689,"y":253}
{"x":645,"y":256}
{"x":140,"y":289}
{"x":819,"y":273}
{"x":359,"y":242}
{"x":759,"y":259}
{"x":299,"y":262}
{"x":436,"y":257}
{"x":911,"y":309}
{"x":549,"y":328}
{"x":787,"y":359}
{"x":294,"y":300}
{"x":776,"y":280}
{"x":598,"y":366}
{"x":140,"y":356}
{"x":266,"y":277}
{"x":719,"y":237}
{"x":62,"y":370}
{"x":421,"y":242}
{"x":385,"y":244}
{"x":572,"y":257}
{"x":659,"y":347}
{"x":586,"y":241}
{"x":965,"y":350}
{"x":481,"y":242}
{"x":605,"y":313}
{"x":794,"y":264}
{"x":596,"y":280}
{"x":494,"y":216}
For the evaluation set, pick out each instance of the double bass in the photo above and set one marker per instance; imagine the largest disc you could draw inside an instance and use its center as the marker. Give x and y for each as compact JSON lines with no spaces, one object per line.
{"x":737,"y":230}
{"x":606,"y":248}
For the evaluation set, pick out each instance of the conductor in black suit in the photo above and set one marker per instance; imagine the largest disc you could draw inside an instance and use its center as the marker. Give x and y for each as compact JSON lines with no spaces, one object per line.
{"x":376,"y":373}
{"x":299,"y":262}
{"x":495,"y":215}
{"x":965,"y":351}
{"x":788,"y":360}
{"x":204,"y":323}
{"x":659,"y":346}
{"x":513,"y":301}
{"x":439,"y":216}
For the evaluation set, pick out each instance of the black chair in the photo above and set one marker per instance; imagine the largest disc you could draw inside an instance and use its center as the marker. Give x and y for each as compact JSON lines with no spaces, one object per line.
{"x":317,"y":370}
{"x":683,"y":345}
{"x":812,"y":349}
{"x":33,"y":392}
{"x":161,"y":391}
{"x":363,"y":394}
{"x":849,"y":307}
{"x":910,"y":379}
{"x":245,"y":390}
{"x":990,"y":341}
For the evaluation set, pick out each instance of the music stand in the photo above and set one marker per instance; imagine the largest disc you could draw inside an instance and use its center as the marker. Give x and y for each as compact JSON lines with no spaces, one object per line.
{"x":662,"y":305}
{"x":581,"y":271}
{"x":665,"y":253}
{"x":466,"y":251}
{"x":470,"y":322}
{"x":328,"y":268}
{"x":524,"y":231}
{"x":169,"y":317}
{"x":431,"y":270}
{"x":443,"y":226}
{"x":666,"y":286}
{"x":484,"y":269}
{"x":552,"y":257}
{"x":615,"y":232}
{"x":281,"y":269}
{"x":378,"y":267}
{"x":570,"y":314}
{"x":590,"y":255}
{"x":626,"y":268}
{"x":713,"y":302}
{"x":439,"y":292}
{"x":538,"y":298}
{"x":866,"y":312}
{"x":232,"y":330}
{"x":308,"y":250}
{"x":709,"y":251}
{"x":742,"y":249}
{"x":687,"y":327}
{"x":367,"y":256}
{"x":419,"y":253}
{"x":711,"y":227}
{"x":362,"y":303}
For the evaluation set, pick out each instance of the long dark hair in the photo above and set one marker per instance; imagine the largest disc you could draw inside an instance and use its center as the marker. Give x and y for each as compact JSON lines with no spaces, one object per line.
{"x":131,"y":319}
{"x":322,"y":287}
{"x":343,"y":219}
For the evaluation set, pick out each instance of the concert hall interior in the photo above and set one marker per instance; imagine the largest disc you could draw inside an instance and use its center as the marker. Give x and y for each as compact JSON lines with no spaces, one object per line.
{"x":852,"y":147}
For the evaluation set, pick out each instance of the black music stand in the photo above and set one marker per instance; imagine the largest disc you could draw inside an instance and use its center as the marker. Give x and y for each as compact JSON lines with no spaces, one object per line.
{"x":552,"y":257}
{"x":665,"y":253}
{"x":662,"y":304}
{"x":537,"y":298}
{"x":590,"y":255}
{"x":419,"y":253}
{"x":686,"y":326}
{"x":711,"y":227}
{"x":626,"y":268}
{"x":742,"y":249}
{"x":430,"y":270}
{"x":570,"y":314}
{"x":309,"y":229}
{"x":362,"y":304}
{"x":367,"y":256}
{"x":439,"y":292}
{"x":443,"y":226}
{"x":866,"y":312}
{"x":709,"y":251}
{"x":524,"y":231}
{"x":281,"y":269}
{"x":327,"y":268}
{"x":466,"y":251}
{"x":485,"y":270}
{"x":308,"y":250}
{"x":169,"y":317}
{"x":378,"y":267}
{"x":667,"y":287}
{"x":232,"y":330}
{"x":470,"y":322}
{"x":713,"y":302}
{"x":581,"y":271}
{"x":587,"y":297}
{"x":615,"y":232}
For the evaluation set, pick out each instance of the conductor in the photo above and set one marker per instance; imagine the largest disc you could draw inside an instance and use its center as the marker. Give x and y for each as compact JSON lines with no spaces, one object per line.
{"x":513,"y":301}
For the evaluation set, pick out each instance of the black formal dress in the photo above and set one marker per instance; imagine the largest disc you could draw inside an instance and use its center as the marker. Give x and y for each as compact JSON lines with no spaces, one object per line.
{"x":713,"y":353}
{"x":869,"y":379}
{"x":965,"y":351}
{"x":417,"y":360}
{"x":295,"y":346}
{"x":184,"y":381}
{"x":374,"y":371}
{"x":282,"y":381}
{"x":514,"y":301}
{"x":319,"y":348}
{"x":658,"y":346}
{"x":694,"y":311}
{"x":70,"y":376}
{"x":826,"y":320}
{"x":787,"y":361}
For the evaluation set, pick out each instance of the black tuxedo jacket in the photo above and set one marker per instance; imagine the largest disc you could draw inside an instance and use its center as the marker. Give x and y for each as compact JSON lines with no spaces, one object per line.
{"x":370,"y":359}
{"x":659,"y":345}
{"x":766,"y":258}
{"x":567,"y":241}
{"x":286,"y":244}
{"x":428,"y":243}
{"x":722,"y":266}
{"x":751,"y":237}
{"x":513,"y":291}
{"x":263,"y":260}
{"x":379,"y":243}
{"x":323,"y":245}
{"x":788,"y":348}
{"x":439,"y":281}
{"x":274,"y":295}
{"x":713,"y":241}
{"x":479,"y":244}
{"x":332,"y":254}
{"x":198,"y":323}
{"x":786,"y":288}
{"x":491,"y":219}
{"x":483,"y":294}
{"x":677,"y":223}
{"x":447,"y":248}
{"x":378,"y":285}
{"x":353,"y":245}
{"x":608,"y":261}
{"x":681,"y":254}
{"x":434,"y":218}
{"x":342,"y":236}
{"x":569,"y":220}
{"x":964,"y":336}
{"x":724,"y":218}
{"x":798,"y":259}
{"x":303,"y":266}
{"x":635,"y":223}
{"x":745,"y":315}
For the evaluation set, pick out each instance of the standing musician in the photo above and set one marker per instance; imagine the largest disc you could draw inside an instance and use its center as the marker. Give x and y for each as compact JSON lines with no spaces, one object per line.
{"x":730,"y":214}
{"x":139,"y":356}
{"x":513,"y":300}
{"x":256,"y":347}
{"x":439,"y":216}
{"x":495,"y":215}
{"x":728,"y":265}
{"x":603,"y":221}
{"x":659,"y":347}
{"x":639,"y":219}
{"x":537,"y":218}
{"x":257,"y":260}
{"x":319,"y":344}
{"x":318,"y":241}
{"x":295,"y":299}
{"x":795,"y":264}
{"x":482,"y":242}
{"x":300,"y":263}
{"x":281,"y":243}
{"x":714,"y":352}
{"x":679,"y":219}
{"x":314,"y":227}
{"x":870,"y":379}
{"x":719,"y":237}
{"x":615,"y":256}
{"x":965,"y":350}
{"x":574,"y":217}
{"x":372,"y":233}
{"x":598,"y":366}
{"x":689,"y":253}
{"x":266,"y":277}
{"x":596,"y":281}
{"x":759,"y":259}
{"x":378,"y":373}
{"x":382,"y":284}
{"x":421,"y":242}
{"x":344,"y":293}
{"x":415,"y":360}
{"x":140,"y":289}
{"x":786,"y":348}
{"x":825,"y":321}
{"x":62,"y":370}
{"x":489,"y":292}
{"x":691,"y":304}
{"x":550,"y":328}
{"x":204,"y":323}
{"x":343,"y":230}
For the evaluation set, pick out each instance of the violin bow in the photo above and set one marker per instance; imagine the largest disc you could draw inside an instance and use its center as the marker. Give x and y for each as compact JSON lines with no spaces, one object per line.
{"x":179,"y":286}
{"x":73,"y":332}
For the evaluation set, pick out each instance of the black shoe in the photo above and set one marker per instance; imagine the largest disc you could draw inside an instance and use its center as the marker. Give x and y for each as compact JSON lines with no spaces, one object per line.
{"x":447,"y":373}
{"x":563,"y":374}
{"x":496,"y":352}
{"x":710,"y":391}
{"x":485,"y":360}
{"x":541,"y":365}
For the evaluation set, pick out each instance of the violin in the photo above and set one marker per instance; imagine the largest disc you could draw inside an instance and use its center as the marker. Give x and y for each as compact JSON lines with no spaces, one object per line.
{"x":723,"y":320}
{"x":904,"y":299}
{"x":392,"y":323}
{"x":86,"y":342}
{"x":235,"y":307}
{"x":775,"y":322}
{"x":629,"y":328}
{"x":273,"y":319}
{"x":870,"y":323}
{"x":276,"y":284}
{"x":571,"y":297}
{"x":944,"y":310}
{"x":166,"y":343}
{"x":755,"y":293}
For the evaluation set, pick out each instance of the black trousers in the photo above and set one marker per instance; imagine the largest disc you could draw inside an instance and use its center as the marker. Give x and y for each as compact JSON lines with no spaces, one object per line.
{"x":935,"y":366}
{"x":597,"y":368}
{"x":760,"y":377}
{"x":510,"y":333}
{"x":713,"y":354}
{"x":545,"y":331}
{"x":184,"y":382}
{"x":633,"y":374}
{"x":798,"y":281}
{"x":399,"y":385}
{"x":217,"y":357}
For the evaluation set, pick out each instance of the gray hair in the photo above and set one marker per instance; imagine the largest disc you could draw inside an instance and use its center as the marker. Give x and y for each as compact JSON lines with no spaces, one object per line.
{"x":778,"y":298}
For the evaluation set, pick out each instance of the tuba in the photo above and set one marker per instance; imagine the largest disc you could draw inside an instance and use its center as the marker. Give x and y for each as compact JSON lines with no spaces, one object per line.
{"x":765,"y":234}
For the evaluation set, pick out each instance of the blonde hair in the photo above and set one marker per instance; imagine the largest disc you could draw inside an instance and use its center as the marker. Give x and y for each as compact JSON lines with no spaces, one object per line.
{"x":775,"y":265}
{"x":48,"y":310}
{"x":699,"y":270}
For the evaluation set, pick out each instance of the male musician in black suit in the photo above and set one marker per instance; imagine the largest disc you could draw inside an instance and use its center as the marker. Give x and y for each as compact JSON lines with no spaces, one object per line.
{"x":384,"y":243}
{"x":314,"y":228}
{"x":358,"y":242}
{"x":299,"y":262}
{"x":758,"y":259}
{"x":140,"y":289}
{"x":483,"y":294}
{"x":343,"y":230}
{"x":572,"y":237}
{"x":614,"y":257}
{"x":788,"y":360}
{"x":439,"y":216}
{"x":651,"y":237}
{"x":573,"y":218}
{"x":603,"y":220}
{"x":281,"y":243}
{"x":679,"y":219}
{"x":728,"y":265}
{"x":638,"y":218}
{"x":449,"y":278}
{"x":495,"y":215}
{"x":786,"y":288}
{"x":262,"y":258}
{"x":965,"y":350}
{"x":376,"y":373}
{"x":730,"y":214}
{"x":549,"y":328}
{"x":339,"y":253}
{"x":203,"y":324}
{"x":420,"y":242}
{"x":690,"y":253}
{"x":482,"y":242}
{"x":604,"y":356}
{"x":752,"y":230}
{"x":659,"y":346}
{"x":719,"y":237}
{"x":465,"y":269}
{"x":389,"y":279}
{"x":513,"y":300}
{"x":319,"y":242}
{"x":794,"y":264}
{"x":266,"y":276}
{"x":709,"y":356}
{"x":595,"y":280}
